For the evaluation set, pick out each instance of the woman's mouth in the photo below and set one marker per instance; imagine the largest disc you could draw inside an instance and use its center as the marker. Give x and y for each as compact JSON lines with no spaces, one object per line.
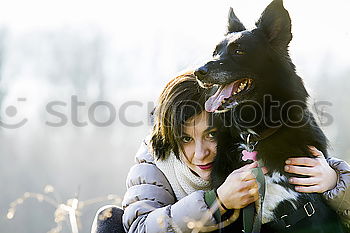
{"x":206,"y":166}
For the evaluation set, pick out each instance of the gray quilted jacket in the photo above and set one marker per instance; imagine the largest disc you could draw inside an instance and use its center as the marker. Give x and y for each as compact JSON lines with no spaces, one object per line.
{"x":150,"y":204}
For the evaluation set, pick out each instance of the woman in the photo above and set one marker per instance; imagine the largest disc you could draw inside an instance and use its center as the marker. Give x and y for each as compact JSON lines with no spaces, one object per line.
{"x":169,"y":190}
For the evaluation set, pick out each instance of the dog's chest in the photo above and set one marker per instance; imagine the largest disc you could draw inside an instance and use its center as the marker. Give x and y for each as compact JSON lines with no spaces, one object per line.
{"x":275,"y":194}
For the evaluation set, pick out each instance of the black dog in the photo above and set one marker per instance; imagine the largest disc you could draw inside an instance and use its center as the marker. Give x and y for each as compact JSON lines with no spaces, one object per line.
{"x":264,"y":103}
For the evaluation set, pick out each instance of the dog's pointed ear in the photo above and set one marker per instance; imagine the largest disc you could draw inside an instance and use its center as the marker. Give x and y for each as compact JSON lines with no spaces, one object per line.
{"x":234,"y":25}
{"x":276,"y":24}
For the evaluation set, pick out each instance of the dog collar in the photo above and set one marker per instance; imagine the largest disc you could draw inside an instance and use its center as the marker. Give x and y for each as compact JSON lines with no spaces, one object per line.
{"x":251,"y":138}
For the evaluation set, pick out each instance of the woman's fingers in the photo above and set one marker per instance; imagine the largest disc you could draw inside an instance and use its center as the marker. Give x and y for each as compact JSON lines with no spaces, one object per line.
{"x":245,"y":172}
{"x":247,"y":167}
{"x":251,"y":184}
{"x":302,"y":161}
{"x":321,"y":176}
{"x":249,"y":196}
{"x":304,"y":181}
{"x":305,"y":161}
{"x":265,"y":170}
{"x":253,"y":197}
{"x":308,"y":189}
{"x":307,"y":171}
{"x":240,"y":187}
{"x":315,"y":152}
{"x":238,"y":190}
{"x":246,"y":176}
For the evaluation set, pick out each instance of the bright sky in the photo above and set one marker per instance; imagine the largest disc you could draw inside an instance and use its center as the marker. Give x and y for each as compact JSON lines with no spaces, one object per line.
{"x":103,"y":8}
{"x":320,"y":27}
{"x":22,"y":14}
{"x":139,"y":15}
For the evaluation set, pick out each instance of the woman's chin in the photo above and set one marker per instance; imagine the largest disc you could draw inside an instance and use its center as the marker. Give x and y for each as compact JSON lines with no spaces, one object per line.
{"x":205,"y":175}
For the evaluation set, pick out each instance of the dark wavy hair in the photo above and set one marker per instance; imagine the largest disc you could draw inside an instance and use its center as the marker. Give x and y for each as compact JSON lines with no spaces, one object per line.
{"x":181,"y":99}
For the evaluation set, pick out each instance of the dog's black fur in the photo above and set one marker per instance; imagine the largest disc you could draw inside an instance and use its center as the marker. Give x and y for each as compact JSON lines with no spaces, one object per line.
{"x":262,"y":55}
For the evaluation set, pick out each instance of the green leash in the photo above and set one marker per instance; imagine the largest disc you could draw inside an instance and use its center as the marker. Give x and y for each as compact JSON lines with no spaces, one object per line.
{"x":251,"y":220}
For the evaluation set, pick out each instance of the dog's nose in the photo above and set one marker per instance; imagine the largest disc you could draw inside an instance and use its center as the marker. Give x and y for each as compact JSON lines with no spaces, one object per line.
{"x":201,"y":72}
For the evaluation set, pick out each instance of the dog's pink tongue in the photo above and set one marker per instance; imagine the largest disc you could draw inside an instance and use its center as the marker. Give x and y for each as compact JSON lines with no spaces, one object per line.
{"x":214,"y":101}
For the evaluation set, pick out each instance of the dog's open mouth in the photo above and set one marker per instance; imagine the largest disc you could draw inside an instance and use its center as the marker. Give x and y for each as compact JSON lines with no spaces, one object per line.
{"x":226,"y":96}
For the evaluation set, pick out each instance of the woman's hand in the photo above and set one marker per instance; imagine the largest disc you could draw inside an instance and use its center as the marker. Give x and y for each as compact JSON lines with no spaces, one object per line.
{"x":322,"y":176}
{"x":240,"y":188}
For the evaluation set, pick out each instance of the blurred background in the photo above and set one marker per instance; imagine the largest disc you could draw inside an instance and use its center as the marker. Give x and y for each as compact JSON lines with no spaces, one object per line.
{"x":79,"y":78}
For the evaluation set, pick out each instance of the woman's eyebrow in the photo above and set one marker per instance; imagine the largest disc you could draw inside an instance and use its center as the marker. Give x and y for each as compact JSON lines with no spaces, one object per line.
{"x":184,"y":134}
{"x":210,"y":129}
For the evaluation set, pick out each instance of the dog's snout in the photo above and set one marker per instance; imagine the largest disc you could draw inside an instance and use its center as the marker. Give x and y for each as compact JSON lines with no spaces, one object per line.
{"x":201,"y":72}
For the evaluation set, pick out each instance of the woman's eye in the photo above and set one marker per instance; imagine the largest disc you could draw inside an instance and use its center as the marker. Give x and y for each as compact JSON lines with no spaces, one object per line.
{"x":212,"y":135}
{"x":186,"y":139}
{"x":238,"y":52}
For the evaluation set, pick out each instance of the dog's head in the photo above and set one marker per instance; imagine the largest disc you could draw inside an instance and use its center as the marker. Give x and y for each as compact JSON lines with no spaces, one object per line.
{"x":248,"y":64}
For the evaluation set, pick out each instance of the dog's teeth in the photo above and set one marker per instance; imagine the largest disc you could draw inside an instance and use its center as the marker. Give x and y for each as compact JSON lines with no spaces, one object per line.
{"x":234,"y":93}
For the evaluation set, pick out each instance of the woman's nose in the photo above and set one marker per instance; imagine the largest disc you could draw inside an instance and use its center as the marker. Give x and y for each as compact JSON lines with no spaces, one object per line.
{"x":201,"y":151}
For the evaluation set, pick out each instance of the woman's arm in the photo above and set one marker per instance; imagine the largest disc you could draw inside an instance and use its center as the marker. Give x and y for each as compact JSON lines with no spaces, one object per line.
{"x":328,"y":176}
{"x":150,"y":215}
{"x":321,"y":176}
{"x":339,"y":197}
{"x":150,"y":204}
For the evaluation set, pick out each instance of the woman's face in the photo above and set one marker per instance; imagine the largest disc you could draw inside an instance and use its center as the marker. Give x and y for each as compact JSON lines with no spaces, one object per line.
{"x":198,"y":141}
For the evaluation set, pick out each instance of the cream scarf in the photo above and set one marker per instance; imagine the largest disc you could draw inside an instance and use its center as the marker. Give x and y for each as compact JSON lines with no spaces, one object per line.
{"x":180,"y":177}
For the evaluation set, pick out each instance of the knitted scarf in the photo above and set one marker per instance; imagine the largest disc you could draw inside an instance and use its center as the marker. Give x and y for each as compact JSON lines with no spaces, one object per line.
{"x":180,"y":177}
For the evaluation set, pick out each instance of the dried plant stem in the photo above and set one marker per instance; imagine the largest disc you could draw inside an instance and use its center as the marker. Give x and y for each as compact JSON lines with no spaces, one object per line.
{"x":72,"y":208}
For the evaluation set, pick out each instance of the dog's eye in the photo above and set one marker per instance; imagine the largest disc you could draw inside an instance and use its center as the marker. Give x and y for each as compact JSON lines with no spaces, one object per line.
{"x":238,"y":52}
